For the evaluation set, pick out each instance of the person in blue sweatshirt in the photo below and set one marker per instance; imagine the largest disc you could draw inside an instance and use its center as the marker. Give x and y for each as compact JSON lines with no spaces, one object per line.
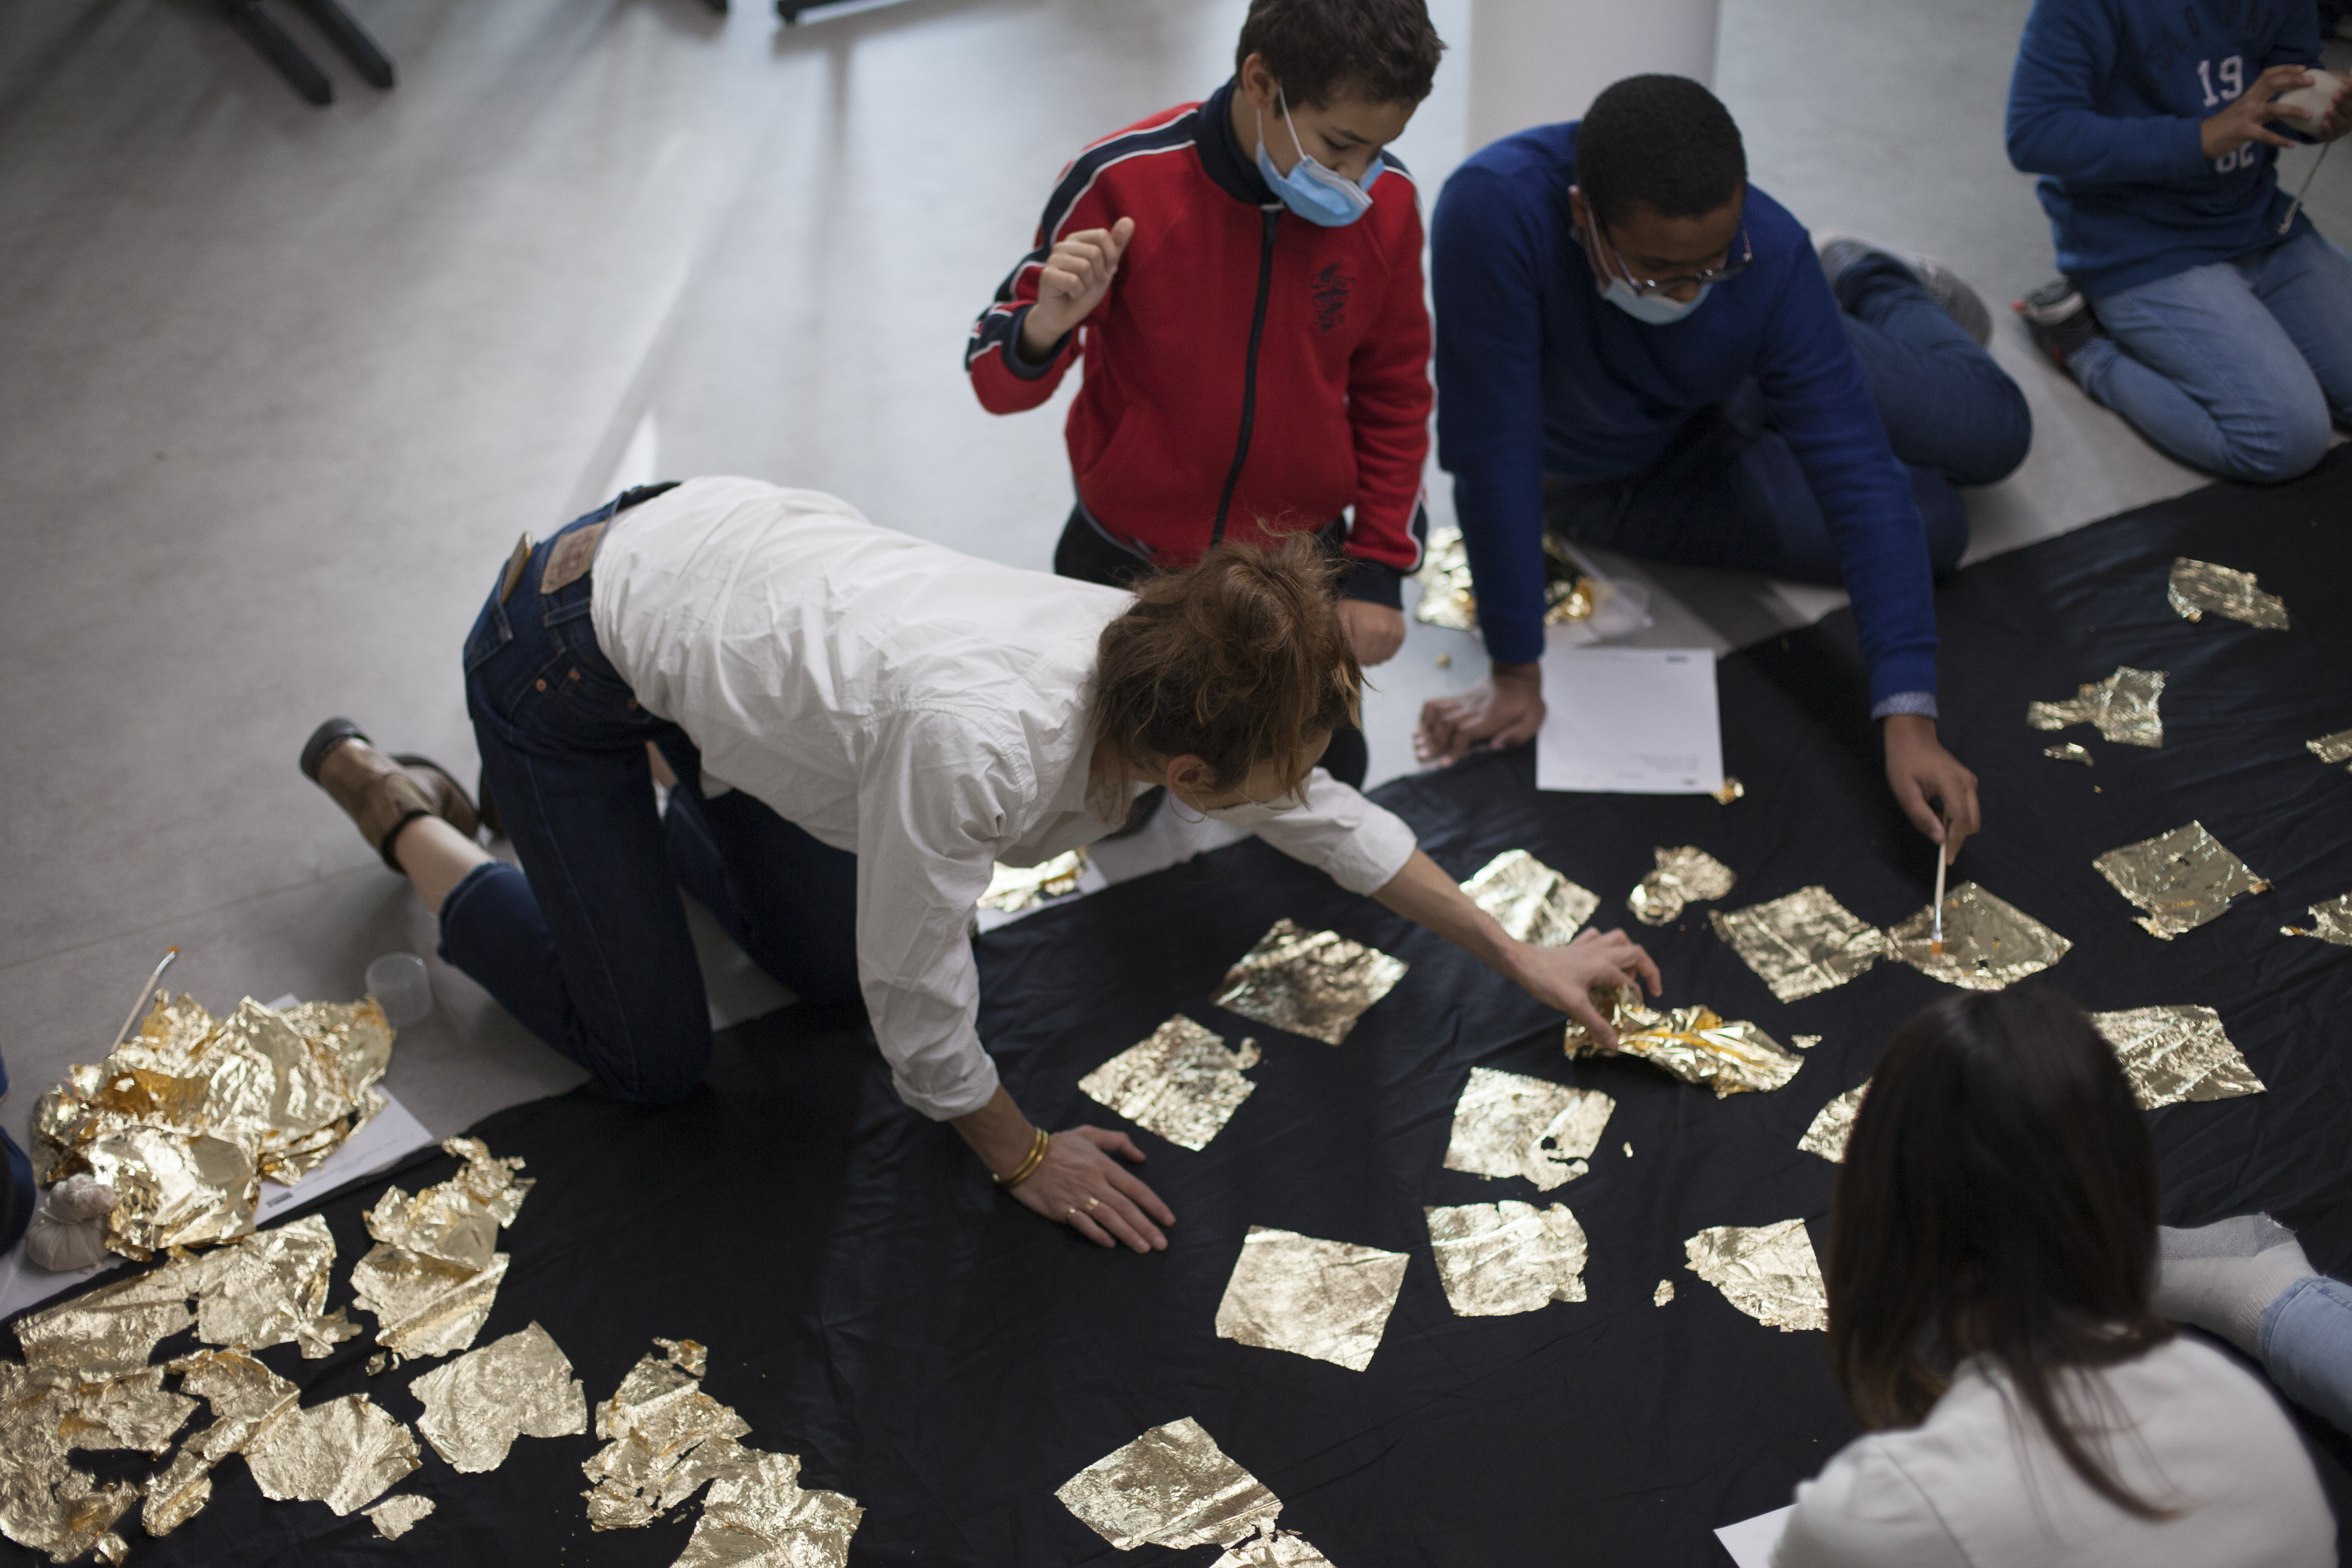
{"x":2198,"y":302}
{"x":1638,"y":349}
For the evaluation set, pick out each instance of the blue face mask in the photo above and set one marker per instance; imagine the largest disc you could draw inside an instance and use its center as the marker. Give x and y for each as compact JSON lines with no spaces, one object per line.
{"x":1650,"y":309}
{"x":1315,"y":193}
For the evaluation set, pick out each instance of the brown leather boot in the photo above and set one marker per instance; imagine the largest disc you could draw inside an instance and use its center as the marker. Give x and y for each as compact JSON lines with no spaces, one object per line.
{"x":383,"y":794}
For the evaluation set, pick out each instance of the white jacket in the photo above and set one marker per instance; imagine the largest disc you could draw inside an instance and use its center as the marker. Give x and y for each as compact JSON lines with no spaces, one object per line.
{"x":923,"y":710}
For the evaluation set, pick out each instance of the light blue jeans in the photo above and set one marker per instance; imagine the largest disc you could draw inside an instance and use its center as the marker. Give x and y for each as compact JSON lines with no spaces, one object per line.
{"x":2236,"y":367}
{"x":2305,"y":1340}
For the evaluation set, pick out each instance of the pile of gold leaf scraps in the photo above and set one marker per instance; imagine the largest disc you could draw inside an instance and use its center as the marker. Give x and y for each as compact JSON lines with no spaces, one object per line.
{"x":184,"y":1119}
{"x":1530,"y":901}
{"x":1447,"y":599}
{"x":1174,"y":1487}
{"x":435,"y":1270}
{"x":1692,"y":1043}
{"x":1316,"y":984}
{"x":665,"y":1438}
{"x":1767,"y":1271}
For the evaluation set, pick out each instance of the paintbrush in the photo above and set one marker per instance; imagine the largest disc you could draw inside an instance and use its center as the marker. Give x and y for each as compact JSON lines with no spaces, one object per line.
{"x":1936,"y":944}
{"x":145,"y":992}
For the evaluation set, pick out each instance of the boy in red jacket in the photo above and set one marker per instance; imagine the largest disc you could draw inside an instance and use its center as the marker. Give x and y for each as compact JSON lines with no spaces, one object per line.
{"x":1243,"y":277}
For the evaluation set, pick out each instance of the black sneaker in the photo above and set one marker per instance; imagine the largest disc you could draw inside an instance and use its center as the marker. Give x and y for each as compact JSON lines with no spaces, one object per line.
{"x":1840,"y":251}
{"x":2061,"y":320}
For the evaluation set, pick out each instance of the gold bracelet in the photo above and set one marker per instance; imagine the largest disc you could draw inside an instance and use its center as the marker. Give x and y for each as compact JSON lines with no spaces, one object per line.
{"x":1028,"y":1167}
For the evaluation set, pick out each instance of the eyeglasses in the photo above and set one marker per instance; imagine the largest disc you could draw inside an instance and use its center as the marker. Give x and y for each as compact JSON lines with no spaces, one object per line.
{"x":1705,"y":275}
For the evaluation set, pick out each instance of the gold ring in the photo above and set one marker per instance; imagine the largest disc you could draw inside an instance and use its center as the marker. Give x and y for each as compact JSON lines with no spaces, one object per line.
{"x":1092,"y":1204}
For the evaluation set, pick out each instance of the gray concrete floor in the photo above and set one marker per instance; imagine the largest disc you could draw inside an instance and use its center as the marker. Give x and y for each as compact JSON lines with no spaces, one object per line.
{"x":278,"y":386}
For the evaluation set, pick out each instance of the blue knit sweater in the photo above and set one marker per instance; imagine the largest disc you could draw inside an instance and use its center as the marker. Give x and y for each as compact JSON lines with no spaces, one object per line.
{"x":1537,"y":376}
{"x":2105,"y":104}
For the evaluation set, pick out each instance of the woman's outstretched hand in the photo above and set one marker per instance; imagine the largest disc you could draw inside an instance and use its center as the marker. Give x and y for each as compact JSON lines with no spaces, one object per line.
{"x":1080,"y":1185}
{"x":1563,"y":977}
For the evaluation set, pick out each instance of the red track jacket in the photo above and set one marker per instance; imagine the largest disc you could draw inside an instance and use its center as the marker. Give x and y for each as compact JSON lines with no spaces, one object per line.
{"x":1246,"y":365}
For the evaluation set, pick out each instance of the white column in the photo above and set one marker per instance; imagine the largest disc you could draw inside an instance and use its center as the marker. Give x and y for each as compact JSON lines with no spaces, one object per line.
{"x":1536,"y":61}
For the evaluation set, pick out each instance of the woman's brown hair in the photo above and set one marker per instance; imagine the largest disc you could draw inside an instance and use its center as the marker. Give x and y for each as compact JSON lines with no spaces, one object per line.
{"x":1238,"y":661}
{"x":1998,"y":1198}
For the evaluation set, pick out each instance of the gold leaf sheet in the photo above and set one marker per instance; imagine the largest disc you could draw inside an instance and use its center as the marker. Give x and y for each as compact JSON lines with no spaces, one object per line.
{"x":2123,"y":706}
{"x":1687,"y":875}
{"x":758,"y":1516}
{"x":2177,"y":1052}
{"x":1015,"y":889}
{"x":2182,"y":878}
{"x":247,"y":1399}
{"x":1767,"y":1271}
{"x":433,"y":1276}
{"x":1989,"y":942}
{"x":186,"y":1117}
{"x":475,"y":1407}
{"x":1501,"y":1259}
{"x":1171,"y":1487}
{"x":1693,"y":1044}
{"x":345,"y":1453}
{"x":424,"y":1307}
{"x":1182,"y":1083}
{"x":1448,"y":599}
{"x":396,"y":1517}
{"x":1530,"y":901}
{"x":663,"y":1439}
{"x":2071,"y":752}
{"x":2330,"y":922}
{"x":1799,"y":944}
{"x":1272,"y":1549}
{"x":1835,"y":1125}
{"x":109,"y":1331}
{"x":1662,"y":1294}
{"x":1328,"y":1300}
{"x":270,"y":1288}
{"x":1507,"y":1124}
{"x":2334,"y":748}
{"x":1316,"y":984}
{"x":2197,"y":586}
{"x":46,"y":1502}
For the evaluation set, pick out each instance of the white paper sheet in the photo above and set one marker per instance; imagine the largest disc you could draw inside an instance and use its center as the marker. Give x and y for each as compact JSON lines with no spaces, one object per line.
{"x":1752,"y":1541}
{"x":1630,"y":720}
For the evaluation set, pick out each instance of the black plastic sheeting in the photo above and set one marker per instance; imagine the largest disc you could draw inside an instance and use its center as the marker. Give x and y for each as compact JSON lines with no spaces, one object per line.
{"x":949,"y":1359}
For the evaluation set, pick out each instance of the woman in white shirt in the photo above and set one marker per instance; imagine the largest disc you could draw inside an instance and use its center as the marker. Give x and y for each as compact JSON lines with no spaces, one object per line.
{"x":1992,"y":1250}
{"x":862,"y":725}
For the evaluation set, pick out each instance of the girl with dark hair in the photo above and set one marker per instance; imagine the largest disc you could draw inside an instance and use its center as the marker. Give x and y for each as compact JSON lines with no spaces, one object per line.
{"x":1992,"y":1249}
{"x":862,"y":725}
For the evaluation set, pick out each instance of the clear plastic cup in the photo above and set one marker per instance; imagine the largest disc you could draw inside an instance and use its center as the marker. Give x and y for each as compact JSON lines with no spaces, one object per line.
{"x":400,"y":986}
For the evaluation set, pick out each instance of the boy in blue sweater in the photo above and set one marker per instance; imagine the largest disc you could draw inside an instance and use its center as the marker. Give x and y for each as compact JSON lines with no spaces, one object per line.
{"x":2197,"y":303}
{"x":1638,"y":349}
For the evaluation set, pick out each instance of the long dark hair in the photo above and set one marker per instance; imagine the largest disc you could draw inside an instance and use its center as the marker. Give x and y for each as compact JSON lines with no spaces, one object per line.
{"x":1997,"y":1199}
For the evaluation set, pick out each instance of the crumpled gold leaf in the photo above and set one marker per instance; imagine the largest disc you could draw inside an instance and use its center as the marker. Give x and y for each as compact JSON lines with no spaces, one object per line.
{"x":246,"y":1399}
{"x":2182,"y":878}
{"x":396,"y":1517}
{"x":1767,"y":1271}
{"x":475,"y":1407}
{"x":1684,"y":875}
{"x":2197,"y":586}
{"x":1448,"y":599}
{"x":2330,"y":922}
{"x":1182,"y":1083}
{"x":2177,"y":1052}
{"x":2071,"y":752}
{"x":758,"y":1516}
{"x":1015,"y":889}
{"x":2334,"y":748}
{"x":1500,"y":1259}
{"x":345,"y":1453}
{"x":2123,"y":706}
{"x":433,"y":1275}
{"x":1729,"y":790}
{"x":108,"y":1331}
{"x":1989,"y":942}
{"x":1693,"y":1044}
{"x":269,"y":1288}
{"x":1835,"y":1125}
{"x":1328,"y":1300}
{"x":1662,"y":1294}
{"x":131,"y":1412}
{"x":46,"y":1502}
{"x":1799,"y":944}
{"x":1530,"y":901}
{"x":1316,"y":984}
{"x":1507,"y":1124}
{"x":1272,"y":1549}
{"x":1171,"y":1487}
{"x":663,"y":1439}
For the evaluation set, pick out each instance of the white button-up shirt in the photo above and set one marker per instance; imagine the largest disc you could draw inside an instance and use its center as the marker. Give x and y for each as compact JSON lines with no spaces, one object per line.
{"x":922,"y":710}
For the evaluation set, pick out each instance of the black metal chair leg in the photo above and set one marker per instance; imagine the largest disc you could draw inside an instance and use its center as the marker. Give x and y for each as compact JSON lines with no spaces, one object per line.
{"x":269,"y":40}
{"x":331,"y":19}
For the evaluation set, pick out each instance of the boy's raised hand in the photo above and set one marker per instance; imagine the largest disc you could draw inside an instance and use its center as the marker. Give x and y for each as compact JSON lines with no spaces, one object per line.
{"x":1076,"y":276}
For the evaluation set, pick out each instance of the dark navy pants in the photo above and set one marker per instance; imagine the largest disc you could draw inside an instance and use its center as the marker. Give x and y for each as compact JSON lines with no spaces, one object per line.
{"x":587,"y":944}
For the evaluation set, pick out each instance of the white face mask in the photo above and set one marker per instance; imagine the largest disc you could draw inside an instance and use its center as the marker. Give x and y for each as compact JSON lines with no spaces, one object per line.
{"x":1243,"y":814}
{"x":1651,"y":310}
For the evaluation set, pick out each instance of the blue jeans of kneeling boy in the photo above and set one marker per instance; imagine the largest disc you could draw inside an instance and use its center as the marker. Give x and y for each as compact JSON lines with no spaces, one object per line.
{"x":587,"y":945}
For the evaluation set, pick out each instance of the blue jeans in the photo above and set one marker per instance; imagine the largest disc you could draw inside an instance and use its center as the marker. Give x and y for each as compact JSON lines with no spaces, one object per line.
{"x":587,"y":945}
{"x":2305,"y":1340}
{"x":2236,"y":367}
{"x":1729,"y":492}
